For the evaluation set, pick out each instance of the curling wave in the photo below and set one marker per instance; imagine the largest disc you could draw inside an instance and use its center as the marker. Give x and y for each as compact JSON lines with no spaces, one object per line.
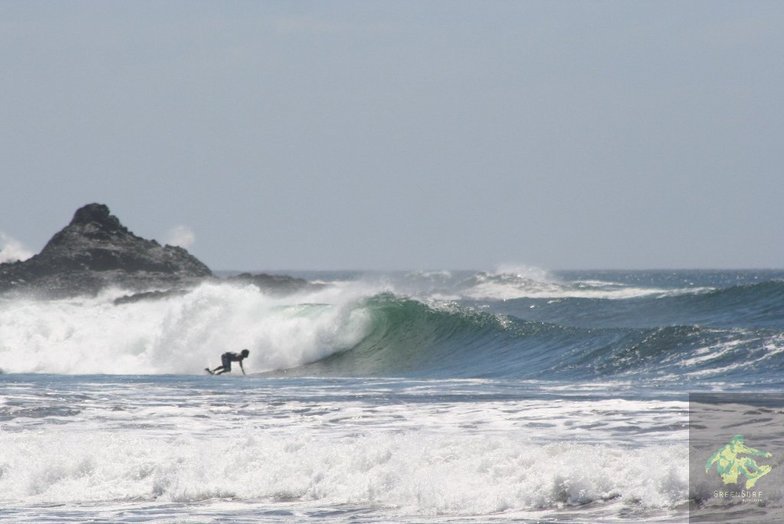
{"x":731,"y":334}
{"x":409,"y":338}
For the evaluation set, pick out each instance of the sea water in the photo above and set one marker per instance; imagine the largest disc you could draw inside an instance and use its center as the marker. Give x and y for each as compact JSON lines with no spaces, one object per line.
{"x":423,"y":397}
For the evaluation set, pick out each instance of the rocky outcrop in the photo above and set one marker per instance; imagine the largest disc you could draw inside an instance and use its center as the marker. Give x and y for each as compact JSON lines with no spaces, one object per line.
{"x":276,"y":284}
{"x":95,"y":250}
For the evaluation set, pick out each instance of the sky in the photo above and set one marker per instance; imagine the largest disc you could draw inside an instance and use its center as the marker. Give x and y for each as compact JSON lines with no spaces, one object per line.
{"x":401,"y":135}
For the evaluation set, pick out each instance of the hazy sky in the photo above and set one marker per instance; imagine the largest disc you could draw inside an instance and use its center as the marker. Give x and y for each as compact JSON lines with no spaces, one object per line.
{"x":402,"y":135}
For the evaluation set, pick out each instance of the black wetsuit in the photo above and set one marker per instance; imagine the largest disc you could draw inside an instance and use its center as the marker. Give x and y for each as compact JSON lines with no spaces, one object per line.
{"x":229,"y":357}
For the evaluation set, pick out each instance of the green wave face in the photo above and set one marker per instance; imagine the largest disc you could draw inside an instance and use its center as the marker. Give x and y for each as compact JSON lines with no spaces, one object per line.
{"x":410,"y":338}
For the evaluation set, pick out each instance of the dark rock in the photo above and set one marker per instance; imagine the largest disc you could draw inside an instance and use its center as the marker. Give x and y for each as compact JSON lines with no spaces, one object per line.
{"x":276,"y":284}
{"x":149,"y":296}
{"x":94,"y":251}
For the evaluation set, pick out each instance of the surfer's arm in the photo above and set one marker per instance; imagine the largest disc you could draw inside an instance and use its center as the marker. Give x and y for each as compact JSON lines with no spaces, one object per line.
{"x":242,"y":368}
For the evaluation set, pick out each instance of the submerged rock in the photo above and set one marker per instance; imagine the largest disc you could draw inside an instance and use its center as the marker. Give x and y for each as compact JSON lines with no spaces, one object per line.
{"x":148,"y":296}
{"x":94,"y":251}
{"x":276,"y":284}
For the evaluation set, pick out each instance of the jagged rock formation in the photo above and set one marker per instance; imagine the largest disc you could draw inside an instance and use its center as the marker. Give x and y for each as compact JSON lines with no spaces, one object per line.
{"x":95,"y":250}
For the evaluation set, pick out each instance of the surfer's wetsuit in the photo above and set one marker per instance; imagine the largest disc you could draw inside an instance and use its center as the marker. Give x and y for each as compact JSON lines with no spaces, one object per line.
{"x":229,"y":357}
{"x":226,"y":360}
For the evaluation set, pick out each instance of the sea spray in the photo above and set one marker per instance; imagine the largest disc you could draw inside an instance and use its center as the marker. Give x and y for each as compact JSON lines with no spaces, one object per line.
{"x":177,"y":334}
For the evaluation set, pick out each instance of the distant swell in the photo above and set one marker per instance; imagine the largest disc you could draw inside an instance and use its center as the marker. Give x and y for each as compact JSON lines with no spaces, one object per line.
{"x":749,"y":306}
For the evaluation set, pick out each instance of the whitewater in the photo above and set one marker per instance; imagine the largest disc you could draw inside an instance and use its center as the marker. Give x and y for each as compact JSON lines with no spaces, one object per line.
{"x":444,"y":396}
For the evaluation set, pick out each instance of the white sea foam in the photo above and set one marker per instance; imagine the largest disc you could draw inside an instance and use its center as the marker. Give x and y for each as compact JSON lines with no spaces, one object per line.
{"x":166,"y":443}
{"x":510,"y":282}
{"x":180,"y":334}
{"x":767,"y":347}
{"x":424,"y":473}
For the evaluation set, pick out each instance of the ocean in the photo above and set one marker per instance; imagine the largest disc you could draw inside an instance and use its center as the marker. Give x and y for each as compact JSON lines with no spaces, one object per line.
{"x":444,"y":396}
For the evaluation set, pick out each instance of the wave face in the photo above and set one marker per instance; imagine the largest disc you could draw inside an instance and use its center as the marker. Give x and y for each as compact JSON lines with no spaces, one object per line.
{"x":409,"y":338}
{"x":683,"y":327}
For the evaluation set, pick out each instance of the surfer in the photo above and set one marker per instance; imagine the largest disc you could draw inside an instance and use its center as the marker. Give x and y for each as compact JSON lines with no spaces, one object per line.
{"x":226,"y":360}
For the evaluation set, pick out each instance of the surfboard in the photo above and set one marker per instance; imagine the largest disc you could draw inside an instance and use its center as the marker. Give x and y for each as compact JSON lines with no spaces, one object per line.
{"x":208,"y":371}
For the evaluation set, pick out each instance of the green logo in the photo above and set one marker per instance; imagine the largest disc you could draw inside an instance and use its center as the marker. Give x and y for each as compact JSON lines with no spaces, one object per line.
{"x":730,"y":466}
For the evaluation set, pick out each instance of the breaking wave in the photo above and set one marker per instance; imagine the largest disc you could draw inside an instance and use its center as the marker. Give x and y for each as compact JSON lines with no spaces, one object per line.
{"x":378,"y":329}
{"x":409,"y":338}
